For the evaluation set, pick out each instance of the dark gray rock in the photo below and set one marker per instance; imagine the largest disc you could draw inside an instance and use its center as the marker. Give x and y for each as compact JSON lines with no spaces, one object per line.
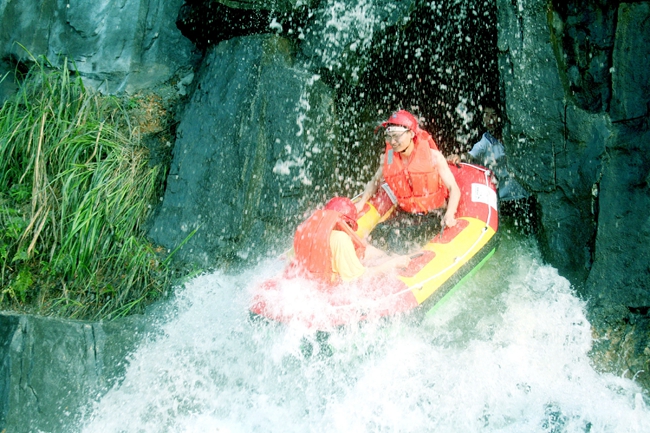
{"x":534,"y":95}
{"x":573,"y":158}
{"x":569,"y":212}
{"x":536,"y":135}
{"x":631,"y":62}
{"x":621,"y":270}
{"x":118,"y":46}
{"x":585,"y":156}
{"x":51,"y":369}
{"x":254,"y":146}
{"x":584,"y":33}
{"x":208,"y":22}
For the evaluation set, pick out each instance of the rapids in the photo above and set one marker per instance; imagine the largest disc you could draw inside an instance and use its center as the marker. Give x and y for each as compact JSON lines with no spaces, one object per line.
{"x":508,"y":352}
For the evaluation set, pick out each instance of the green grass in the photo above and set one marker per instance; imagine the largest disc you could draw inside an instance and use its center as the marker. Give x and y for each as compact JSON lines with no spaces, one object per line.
{"x":76,"y":187}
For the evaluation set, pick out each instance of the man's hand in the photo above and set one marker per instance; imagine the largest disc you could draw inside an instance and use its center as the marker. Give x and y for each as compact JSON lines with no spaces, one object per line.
{"x":454,"y":159}
{"x":449,"y":220}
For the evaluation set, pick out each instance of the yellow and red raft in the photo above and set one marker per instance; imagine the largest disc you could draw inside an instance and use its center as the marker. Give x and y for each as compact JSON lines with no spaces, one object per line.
{"x":434,"y":272}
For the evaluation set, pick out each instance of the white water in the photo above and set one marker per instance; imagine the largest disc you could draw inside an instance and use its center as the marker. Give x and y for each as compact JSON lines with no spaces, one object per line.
{"x":507,"y":353}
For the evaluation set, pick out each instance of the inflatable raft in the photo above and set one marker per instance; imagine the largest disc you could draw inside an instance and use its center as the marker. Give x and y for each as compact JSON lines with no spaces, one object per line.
{"x":432,"y":273}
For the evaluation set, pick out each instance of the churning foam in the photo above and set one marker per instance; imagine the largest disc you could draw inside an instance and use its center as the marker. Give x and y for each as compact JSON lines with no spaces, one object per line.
{"x":507,"y":353}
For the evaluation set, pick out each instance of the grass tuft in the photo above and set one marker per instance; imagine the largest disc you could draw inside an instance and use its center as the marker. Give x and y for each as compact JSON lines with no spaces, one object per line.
{"x":76,"y":187}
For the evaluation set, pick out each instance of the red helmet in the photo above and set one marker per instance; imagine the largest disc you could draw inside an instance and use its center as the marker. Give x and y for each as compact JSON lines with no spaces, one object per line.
{"x":345,"y":207}
{"x":404,"y":118}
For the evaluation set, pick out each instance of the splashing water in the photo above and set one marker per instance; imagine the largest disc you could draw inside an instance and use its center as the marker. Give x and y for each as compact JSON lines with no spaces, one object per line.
{"x":507,"y":353}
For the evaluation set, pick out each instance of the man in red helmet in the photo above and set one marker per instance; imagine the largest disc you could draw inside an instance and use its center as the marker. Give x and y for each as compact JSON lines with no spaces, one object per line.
{"x":416,"y":172}
{"x":327,"y":248}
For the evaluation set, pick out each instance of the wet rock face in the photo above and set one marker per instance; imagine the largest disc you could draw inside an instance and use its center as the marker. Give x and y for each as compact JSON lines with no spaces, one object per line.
{"x":620,"y":274}
{"x":51,"y":369}
{"x":576,"y":88}
{"x":252,"y":152}
{"x":206,"y":22}
{"x":603,"y":56}
{"x":586,"y":33}
{"x":119,"y":46}
{"x":631,"y":64}
{"x":575,"y":77}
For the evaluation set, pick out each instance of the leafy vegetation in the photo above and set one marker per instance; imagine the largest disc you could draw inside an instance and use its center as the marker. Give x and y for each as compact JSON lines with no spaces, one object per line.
{"x":76,"y":187}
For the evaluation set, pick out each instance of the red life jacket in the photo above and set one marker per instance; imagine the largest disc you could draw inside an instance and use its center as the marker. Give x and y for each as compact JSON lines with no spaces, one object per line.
{"x":311,"y":244}
{"x":418,"y":187}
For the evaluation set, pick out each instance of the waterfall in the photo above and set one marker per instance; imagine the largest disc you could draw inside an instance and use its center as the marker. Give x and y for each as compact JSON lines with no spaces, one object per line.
{"x":507,"y":353}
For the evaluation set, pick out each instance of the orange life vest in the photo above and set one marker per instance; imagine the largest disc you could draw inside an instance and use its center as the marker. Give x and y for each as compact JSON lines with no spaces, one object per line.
{"x":418,"y":187}
{"x":311,"y":244}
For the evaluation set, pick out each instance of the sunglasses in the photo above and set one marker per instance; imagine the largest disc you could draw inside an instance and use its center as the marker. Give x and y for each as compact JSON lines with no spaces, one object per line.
{"x":394,"y":136}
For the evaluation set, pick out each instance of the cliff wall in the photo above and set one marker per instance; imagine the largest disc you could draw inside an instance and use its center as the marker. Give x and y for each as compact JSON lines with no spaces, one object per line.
{"x":575,"y":81}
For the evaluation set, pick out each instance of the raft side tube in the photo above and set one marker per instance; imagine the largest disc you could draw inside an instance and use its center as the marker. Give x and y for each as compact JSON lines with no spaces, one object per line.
{"x":455,"y":282}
